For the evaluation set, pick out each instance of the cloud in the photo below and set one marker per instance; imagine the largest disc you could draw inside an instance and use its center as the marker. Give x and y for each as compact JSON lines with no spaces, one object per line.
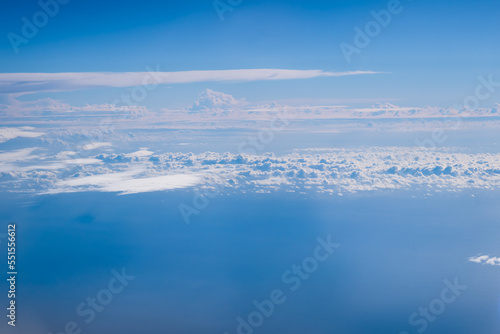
{"x":83,"y":161}
{"x":486,"y":259}
{"x":24,"y":83}
{"x":18,"y":155}
{"x":22,"y":160}
{"x":212,"y":105}
{"x":143,"y":152}
{"x":9,"y":158}
{"x":126,"y":183}
{"x":48,"y":106}
{"x":217,"y":102}
{"x":11,"y":133}
{"x":95,"y":145}
{"x":322,"y":171}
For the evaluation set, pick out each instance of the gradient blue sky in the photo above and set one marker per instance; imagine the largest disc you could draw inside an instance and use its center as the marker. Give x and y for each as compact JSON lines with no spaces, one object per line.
{"x":434,"y":50}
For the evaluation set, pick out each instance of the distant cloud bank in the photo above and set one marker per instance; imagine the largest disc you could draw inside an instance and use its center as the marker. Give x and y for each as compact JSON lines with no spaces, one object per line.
{"x":213,"y":105}
{"x":328,"y":171}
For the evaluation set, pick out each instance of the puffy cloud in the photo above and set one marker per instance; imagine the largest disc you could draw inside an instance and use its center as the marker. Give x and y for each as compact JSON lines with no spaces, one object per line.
{"x":328,"y":171}
{"x":215,"y":102}
{"x":114,"y":158}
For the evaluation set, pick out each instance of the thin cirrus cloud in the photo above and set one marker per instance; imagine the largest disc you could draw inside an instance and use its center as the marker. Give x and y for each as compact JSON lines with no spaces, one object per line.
{"x":25,"y":83}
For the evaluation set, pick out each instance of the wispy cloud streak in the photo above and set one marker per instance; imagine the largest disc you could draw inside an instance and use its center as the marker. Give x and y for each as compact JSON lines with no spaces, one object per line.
{"x":25,"y":83}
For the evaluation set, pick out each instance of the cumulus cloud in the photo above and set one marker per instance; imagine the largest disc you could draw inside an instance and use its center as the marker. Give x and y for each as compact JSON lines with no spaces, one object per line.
{"x":322,"y":171}
{"x":23,"y":83}
{"x":486,"y":259}
{"x":216,"y":102}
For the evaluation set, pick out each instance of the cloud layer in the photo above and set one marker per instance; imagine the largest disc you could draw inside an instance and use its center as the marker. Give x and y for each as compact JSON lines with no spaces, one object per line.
{"x":217,"y":106}
{"x":327,"y":171}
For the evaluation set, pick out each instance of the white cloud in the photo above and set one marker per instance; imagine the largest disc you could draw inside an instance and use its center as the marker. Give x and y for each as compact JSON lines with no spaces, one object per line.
{"x":83,"y":161}
{"x":11,"y":133}
{"x":126,"y":183}
{"x":23,"y":83}
{"x":95,"y":145}
{"x":18,"y":155}
{"x":217,"y":102}
{"x":143,"y":152}
{"x":19,"y":161}
{"x":486,"y":259}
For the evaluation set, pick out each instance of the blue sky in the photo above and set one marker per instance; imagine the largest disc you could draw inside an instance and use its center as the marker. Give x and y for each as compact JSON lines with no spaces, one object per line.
{"x":433,"y":51}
